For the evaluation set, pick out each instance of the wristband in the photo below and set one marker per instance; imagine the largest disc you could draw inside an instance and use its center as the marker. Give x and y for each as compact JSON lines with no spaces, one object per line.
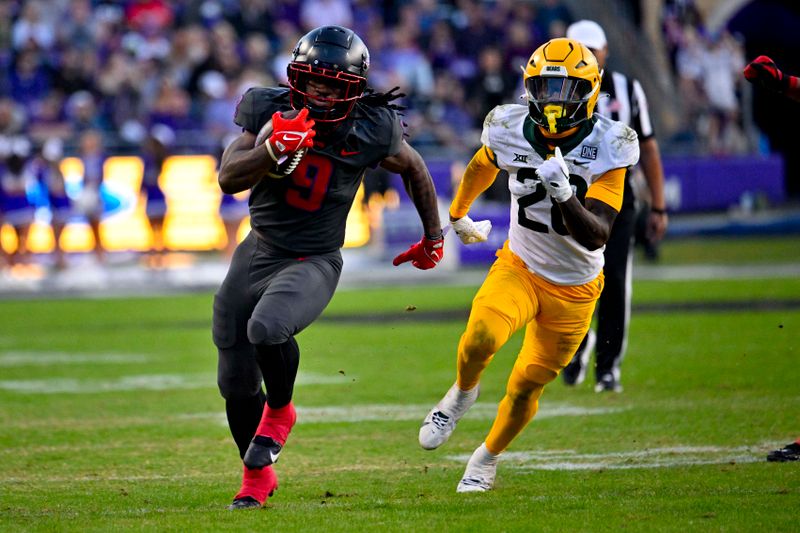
{"x":270,"y":152}
{"x":658,"y":211}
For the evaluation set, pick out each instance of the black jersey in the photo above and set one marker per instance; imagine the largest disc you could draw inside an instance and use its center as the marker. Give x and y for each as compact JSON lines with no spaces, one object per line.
{"x":305,"y":212}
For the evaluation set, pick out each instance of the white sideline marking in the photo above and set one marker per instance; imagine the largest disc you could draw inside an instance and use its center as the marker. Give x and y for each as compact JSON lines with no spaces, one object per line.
{"x":141,"y":382}
{"x":401,"y":412}
{"x":67,"y":358}
{"x":647,"y":458}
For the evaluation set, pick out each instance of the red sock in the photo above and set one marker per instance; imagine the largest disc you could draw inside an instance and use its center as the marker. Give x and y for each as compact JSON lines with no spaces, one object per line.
{"x":277,"y":423}
{"x":258,"y":484}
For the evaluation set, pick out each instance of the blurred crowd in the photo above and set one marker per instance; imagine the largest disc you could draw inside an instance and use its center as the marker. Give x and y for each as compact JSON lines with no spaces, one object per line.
{"x":707,"y":67}
{"x":93,"y":78}
{"x":121,"y":67}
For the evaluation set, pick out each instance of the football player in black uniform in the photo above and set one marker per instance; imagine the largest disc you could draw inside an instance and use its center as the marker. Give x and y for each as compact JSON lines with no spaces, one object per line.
{"x":285,"y":272}
{"x":764,"y":72}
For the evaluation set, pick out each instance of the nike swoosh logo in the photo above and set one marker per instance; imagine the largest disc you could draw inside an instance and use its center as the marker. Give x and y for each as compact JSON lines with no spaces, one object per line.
{"x":291,"y":136}
{"x":580,"y":163}
{"x":274,"y":456}
{"x":345,"y":153}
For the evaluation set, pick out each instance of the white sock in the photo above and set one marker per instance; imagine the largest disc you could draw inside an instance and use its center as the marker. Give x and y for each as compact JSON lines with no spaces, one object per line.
{"x":462,"y":399}
{"x":484,"y":456}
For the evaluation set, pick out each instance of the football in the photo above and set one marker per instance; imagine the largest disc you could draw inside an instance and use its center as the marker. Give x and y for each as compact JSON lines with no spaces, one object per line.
{"x":287,"y":164}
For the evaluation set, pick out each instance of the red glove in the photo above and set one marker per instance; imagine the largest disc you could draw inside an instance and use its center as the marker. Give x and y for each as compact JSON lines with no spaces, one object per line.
{"x":290,"y":135}
{"x":763,"y":71}
{"x":424,"y":255}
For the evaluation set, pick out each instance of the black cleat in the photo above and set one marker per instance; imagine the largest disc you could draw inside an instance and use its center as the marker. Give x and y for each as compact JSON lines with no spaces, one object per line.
{"x":785,"y":454}
{"x":248,"y":502}
{"x":575,"y":372}
{"x":262,"y":452}
{"x":608,"y":383}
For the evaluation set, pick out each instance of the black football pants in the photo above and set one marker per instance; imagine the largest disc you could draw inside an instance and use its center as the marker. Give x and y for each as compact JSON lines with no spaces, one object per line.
{"x":614,"y":305}
{"x":264,"y":301}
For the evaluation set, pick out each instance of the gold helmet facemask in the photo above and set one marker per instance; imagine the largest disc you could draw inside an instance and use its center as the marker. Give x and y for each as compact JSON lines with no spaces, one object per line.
{"x":562,"y":84}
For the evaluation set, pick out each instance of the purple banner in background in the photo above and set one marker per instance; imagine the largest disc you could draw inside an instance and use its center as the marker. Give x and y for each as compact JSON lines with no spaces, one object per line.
{"x":715,"y":184}
{"x":693,"y":184}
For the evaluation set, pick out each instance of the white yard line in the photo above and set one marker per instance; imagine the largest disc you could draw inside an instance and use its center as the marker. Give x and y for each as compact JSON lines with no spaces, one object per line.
{"x":141,"y":382}
{"x":24,"y":358}
{"x":401,"y":412}
{"x":623,"y":460}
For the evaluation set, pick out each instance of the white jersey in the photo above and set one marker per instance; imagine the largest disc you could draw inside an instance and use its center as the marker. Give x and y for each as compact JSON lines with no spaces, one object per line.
{"x":537,"y":233}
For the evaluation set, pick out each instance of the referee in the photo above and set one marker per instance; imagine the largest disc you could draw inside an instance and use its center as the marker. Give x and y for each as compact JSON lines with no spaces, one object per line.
{"x":626,"y":103}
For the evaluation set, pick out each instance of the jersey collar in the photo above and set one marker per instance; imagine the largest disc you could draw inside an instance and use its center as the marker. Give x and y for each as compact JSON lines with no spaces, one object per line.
{"x":543,"y":145}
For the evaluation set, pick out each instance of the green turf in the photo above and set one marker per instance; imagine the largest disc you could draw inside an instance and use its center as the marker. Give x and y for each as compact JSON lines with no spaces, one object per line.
{"x":731,"y":250}
{"x":707,"y":394}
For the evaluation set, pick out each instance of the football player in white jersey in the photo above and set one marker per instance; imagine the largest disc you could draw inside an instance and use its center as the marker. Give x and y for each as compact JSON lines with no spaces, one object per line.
{"x":566,"y":169}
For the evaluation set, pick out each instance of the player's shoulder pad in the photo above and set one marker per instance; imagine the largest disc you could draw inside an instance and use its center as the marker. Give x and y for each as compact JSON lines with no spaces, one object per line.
{"x":378,"y":126}
{"x":502,"y":119}
{"x":621,"y":140}
{"x":257,"y":106}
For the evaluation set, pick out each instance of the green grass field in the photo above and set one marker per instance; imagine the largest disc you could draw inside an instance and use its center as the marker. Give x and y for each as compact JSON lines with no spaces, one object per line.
{"x":110,"y":420}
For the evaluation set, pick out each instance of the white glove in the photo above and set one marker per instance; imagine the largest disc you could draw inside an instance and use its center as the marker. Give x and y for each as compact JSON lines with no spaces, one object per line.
{"x":555,"y":177}
{"x":471,"y":232}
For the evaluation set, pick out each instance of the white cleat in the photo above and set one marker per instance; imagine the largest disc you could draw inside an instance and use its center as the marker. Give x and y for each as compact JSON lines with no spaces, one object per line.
{"x":480,"y":472}
{"x":441,"y":421}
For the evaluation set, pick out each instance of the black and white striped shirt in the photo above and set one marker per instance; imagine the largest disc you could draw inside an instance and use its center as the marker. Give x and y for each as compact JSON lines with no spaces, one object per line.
{"x":626,"y":103}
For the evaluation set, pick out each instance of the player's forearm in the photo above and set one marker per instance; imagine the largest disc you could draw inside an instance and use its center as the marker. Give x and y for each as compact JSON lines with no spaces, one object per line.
{"x":478,"y":176}
{"x":420,"y":188}
{"x":242,"y":169}
{"x":589,"y":229}
{"x":650,"y":159}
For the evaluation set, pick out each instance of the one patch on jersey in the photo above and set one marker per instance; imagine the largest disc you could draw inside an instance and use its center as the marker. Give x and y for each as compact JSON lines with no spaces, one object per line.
{"x":589,"y":152}
{"x":521,"y":158}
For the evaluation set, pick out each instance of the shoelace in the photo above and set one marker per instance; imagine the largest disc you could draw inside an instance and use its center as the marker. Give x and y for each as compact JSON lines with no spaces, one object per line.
{"x":475,"y":482}
{"x":298,"y":156}
{"x":440,"y":420}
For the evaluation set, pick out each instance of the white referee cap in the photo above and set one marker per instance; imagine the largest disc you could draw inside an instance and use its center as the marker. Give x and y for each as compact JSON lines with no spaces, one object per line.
{"x":588,"y":33}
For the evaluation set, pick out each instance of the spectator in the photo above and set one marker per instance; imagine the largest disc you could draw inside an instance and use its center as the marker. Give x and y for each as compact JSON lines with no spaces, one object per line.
{"x":411,"y":69}
{"x":12,"y":117}
{"x":552,"y":14}
{"x":314,"y":13}
{"x":90,"y":201}
{"x":494,"y":84}
{"x":49,"y":119}
{"x":31,"y":29}
{"x":722,"y":64}
{"x":16,"y":178}
{"x":155,"y":152}
{"x":60,"y":206}
{"x":29,"y":79}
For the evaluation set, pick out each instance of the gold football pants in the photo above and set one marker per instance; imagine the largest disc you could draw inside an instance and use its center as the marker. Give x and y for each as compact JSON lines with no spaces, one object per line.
{"x":555,"y":318}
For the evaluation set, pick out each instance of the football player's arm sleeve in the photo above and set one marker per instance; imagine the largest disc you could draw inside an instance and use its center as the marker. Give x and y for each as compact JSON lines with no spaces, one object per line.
{"x":609,"y":188}
{"x":245,"y":115}
{"x":396,"y":139}
{"x":478,"y":176}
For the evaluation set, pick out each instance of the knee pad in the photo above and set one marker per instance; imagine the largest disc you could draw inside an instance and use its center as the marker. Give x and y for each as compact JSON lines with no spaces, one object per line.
{"x":261,"y":331}
{"x":483,"y":336}
{"x":537,"y":374}
{"x":238,"y":385}
{"x":223,"y":329}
